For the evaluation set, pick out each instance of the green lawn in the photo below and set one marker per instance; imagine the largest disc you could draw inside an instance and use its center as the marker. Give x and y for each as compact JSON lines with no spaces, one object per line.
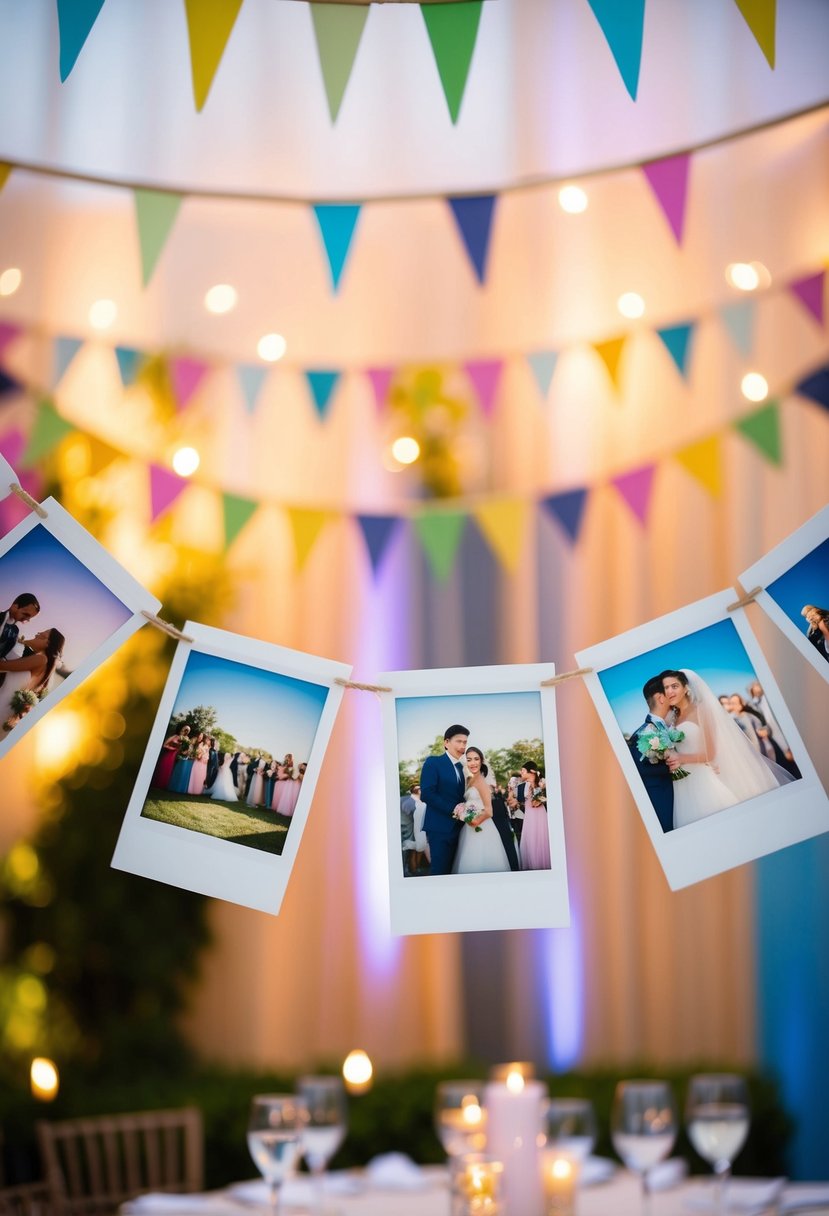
{"x":231,"y":821}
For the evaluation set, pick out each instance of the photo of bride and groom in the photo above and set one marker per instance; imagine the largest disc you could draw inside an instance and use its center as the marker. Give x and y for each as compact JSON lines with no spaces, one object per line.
{"x":27,"y":664}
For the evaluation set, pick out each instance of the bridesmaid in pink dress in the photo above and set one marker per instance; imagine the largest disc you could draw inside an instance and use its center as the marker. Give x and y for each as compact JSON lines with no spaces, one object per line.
{"x":279,"y":787}
{"x":167,"y":759}
{"x":535,"y":839}
{"x":292,"y":787}
{"x":198,"y":773}
{"x":257,"y":785}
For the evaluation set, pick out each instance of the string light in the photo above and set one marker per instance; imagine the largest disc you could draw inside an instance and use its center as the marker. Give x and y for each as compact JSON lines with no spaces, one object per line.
{"x":186,"y":461}
{"x":44,"y":1079}
{"x":357,"y":1072}
{"x":630,"y":305}
{"x":572,"y":199}
{"x":10,"y":280}
{"x":221,"y":298}
{"x":747,"y":276}
{"x":405,"y":450}
{"x":102,"y":314}
{"x":755,"y":387}
{"x":271,"y":347}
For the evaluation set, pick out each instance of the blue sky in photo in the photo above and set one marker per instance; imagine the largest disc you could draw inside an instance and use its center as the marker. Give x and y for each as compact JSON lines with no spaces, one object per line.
{"x":495,"y":719}
{"x":806,"y":583}
{"x":71,"y":598}
{"x":263,"y":710}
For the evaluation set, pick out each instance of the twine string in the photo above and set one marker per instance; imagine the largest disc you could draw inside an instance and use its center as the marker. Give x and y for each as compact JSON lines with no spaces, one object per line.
{"x":165,"y":626}
{"x":377,"y":688}
{"x":567,"y":675}
{"x":747,"y":597}
{"x":26,"y":497}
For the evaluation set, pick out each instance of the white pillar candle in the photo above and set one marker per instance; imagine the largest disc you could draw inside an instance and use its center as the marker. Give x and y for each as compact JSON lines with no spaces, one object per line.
{"x":514,"y":1117}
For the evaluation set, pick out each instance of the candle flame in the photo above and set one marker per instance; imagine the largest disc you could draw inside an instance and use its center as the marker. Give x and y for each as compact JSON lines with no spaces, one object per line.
{"x":561,"y":1168}
{"x":515,"y":1082}
{"x":472,"y":1113}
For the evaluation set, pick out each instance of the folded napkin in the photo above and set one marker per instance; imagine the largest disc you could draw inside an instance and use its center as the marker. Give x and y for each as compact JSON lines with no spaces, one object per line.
{"x":594,"y":1170}
{"x":746,"y":1195}
{"x":178,"y":1205}
{"x":395,"y":1172}
{"x":297,"y":1191}
{"x":667,"y":1174}
{"x":801,"y":1196}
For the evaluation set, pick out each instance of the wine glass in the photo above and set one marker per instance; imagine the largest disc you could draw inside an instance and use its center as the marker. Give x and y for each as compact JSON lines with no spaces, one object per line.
{"x":570,"y":1124}
{"x":717,"y":1118}
{"x":326,"y":1127}
{"x":460,"y":1118}
{"x":275,"y":1126}
{"x":643,"y":1125}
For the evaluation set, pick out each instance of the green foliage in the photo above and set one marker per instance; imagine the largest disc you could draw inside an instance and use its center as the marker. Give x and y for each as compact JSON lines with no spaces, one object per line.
{"x":233,"y":821}
{"x":201,"y":719}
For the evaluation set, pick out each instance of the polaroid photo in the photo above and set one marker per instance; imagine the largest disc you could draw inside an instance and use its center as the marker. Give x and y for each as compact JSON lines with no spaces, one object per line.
{"x":473,"y":794}
{"x":65,"y":606}
{"x":794,"y":578}
{"x":225,"y":786}
{"x":709,"y":749}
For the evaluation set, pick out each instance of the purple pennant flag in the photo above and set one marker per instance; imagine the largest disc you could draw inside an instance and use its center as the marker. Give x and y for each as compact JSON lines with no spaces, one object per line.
{"x":8,"y":333}
{"x":635,"y":487}
{"x":378,"y":532}
{"x":473,"y":215}
{"x":186,"y":375}
{"x":810,"y":293}
{"x":485,"y":375}
{"x":567,"y":509}
{"x":816,"y":387}
{"x":668,"y":178}
{"x":381,"y":378}
{"x":165,"y":488}
{"x":12,"y":509}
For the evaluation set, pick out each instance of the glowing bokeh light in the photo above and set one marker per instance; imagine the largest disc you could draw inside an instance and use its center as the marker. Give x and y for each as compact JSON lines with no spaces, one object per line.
{"x":743,"y":276}
{"x":186,"y":461}
{"x":221,"y":298}
{"x":631,"y":305}
{"x":515,"y":1082}
{"x":357,"y":1071}
{"x":59,"y":737}
{"x":102,"y":314}
{"x":572,"y":199}
{"x":44,"y":1079}
{"x":405,"y":450}
{"x":10,"y":281}
{"x":754,"y":386}
{"x":271,"y":347}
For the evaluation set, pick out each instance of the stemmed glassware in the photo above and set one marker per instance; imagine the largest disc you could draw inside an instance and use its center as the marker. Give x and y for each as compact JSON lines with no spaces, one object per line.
{"x":275,"y":1127}
{"x":326,"y":1127}
{"x":717,"y":1118}
{"x":570,"y":1125}
{"x":643,"y":1126}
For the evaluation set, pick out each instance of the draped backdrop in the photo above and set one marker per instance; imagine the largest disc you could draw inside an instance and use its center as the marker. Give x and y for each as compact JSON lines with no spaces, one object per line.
{"x":642,"y":973}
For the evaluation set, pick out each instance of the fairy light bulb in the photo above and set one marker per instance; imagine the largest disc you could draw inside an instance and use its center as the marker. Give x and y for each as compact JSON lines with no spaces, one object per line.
{"x":572,"y":199}
{"x":405,"y":450}
{"x":221,"y":298}
{"x":102,"y":314}
{"x":754,"y":386}
{"x":10,"y":281}
{"x":630,"y":304}
{"x":186,"y":461}
{"x":271,"y":347}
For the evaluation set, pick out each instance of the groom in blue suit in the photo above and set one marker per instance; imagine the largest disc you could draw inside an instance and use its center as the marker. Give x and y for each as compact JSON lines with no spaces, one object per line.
{"x":656,"y":778}
{"x":442,"y":788}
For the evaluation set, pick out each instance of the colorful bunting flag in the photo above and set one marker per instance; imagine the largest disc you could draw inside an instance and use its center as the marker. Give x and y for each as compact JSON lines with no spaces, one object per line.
{"x":703,"y":460}
{"x":439,"y":532}
{"x":5,"y":171}
{"x":380,"y":379}
{"x":165,"y":488}
{"x":155,"y":213}
{"x":453,"y":31}
{"x":815,"y":387}
{"x":610,"y":353}
{"x":485,"y":375}
{"x":635,"y":487}
{"x":8,"y":333}
{"x":306,"y":525}
{"x":668,"y":178}
{"x":209,"y":25}
{"x":503,"y":524}
{"x":677,"y":340}
{"x":236,"y":512}
{"x":322,"y":385}
{"x":338,"y":29}
{"x":129,"y":362}
{"x":251,"y":377}
{"x":762,"y":428}
{"x":473,"y":215}
{"x":543,"y":364}
{"x":567,"y":510}
{"x":186,"y":374}
{"x":336,"y":223}
{"x":760,"y":16}
{"x":12,"y":509}
{"x":739,"y":319}
{"x":622,"y":23}
{"x":101,"y":455}
{"x":809,"y":291}
{"x":378,"y":532}
{"x":75,"y":19}
{"x":48,"y":430}
{"x":64,"y":351}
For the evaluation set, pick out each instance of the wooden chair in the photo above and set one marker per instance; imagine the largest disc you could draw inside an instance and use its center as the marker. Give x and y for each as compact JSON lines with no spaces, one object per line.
{"x":27,"y":1199}
{"x":93,"y":1165}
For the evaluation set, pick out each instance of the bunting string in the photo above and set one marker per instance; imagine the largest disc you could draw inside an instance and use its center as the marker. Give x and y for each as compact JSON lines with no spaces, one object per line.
{"x":746,"y":597}
{"x":376,"y":688}
{"x":26,"y":497}
{"x":577,"y":673}
{"x":165,"y":627}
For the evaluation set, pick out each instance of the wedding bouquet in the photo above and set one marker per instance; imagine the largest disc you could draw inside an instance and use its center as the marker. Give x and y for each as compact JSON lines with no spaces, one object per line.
{"x":654,"y":746}
{"x":21,"y":702}
{"x":466,"y":814}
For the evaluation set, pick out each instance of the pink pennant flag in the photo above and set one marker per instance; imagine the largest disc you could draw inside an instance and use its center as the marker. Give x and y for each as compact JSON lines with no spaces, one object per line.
{"x":809,"y":291}
{"x":485,"y":375}
{"x":8,"y":333}
{"x":165,"y":488}
{"x":668,"y":178}
{"x":635,"y":487}
{"x":186,"y":375}
{"x":381,"y":378}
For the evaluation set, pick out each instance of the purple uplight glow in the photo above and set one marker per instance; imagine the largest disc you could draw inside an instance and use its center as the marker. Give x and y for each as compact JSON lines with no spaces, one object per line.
{"x":561,"y":961}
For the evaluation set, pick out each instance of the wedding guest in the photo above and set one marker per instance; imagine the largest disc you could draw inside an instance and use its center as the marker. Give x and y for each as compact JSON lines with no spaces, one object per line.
{"x":764,"y":735}
{"x":180,"y":779}
{"x":407,"y":833}
{"x":535,"y":838}
{"x":291,"y":794}
{"x":421,"y":840}
{"x":760,"y":701}
{"x":818,"y":631}
{"x":242,"y":761}
{"x":252,"y":765}
{"x":301,"y":772}
{"x":167,"y":759}
{"x":212,"y":764}
{"x":279,"y":787}
{"x":270,"y":779}
{"x":257,"y":785}
{"x":198,"y":771}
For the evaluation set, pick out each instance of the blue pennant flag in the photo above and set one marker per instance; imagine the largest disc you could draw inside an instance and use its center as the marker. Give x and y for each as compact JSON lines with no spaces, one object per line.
{"x":337,"y":222}
{"x":75,"y":19}
{"x":623,"y":23}
{"x":322,"y":385}
{"x":815,"y":386}
{"x":474,"y":219}
{"x":65,"y":350}
{"x":378,"y":532}
{"x":251,"y":378}
{"x":738,"y":319}
{"x":677,"y":339}
{"x":567,"y":509}
{"x":129,"y":361}
{"x":543,"y":364}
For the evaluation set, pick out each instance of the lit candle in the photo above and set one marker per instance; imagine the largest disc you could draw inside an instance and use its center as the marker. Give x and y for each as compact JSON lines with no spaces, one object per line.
{"x":463,"y":1127}
{"x":43,"y":1077}
{"x":478,"y":1186}
{"x":514,"y":1108}
{"x":522,"y":1068}
{"x":560,"y":1173}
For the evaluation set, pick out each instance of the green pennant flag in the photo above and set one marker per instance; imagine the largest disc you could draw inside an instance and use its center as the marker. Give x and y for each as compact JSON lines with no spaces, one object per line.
{"x":453,"y":30}
{"x":338,"y":29}
{"x":155,"y":212}
{"x":440,"y":532}
{"x":46,"y":434}
{"x":236,"y":511}
{"x":762,"y":428}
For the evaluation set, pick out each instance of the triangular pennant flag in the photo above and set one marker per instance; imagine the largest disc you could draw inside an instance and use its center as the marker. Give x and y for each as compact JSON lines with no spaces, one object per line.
{"x":8,"y":384}
{"x":761,"y":17}
{"x":165,"y":488}
{"x":338,"y":29}
{"x":610,"y":353}
{"x":12,"y":446}
{"x":8,"y":333}
{"x":567,"y":509}
{"x":155,"y":213}
{"x":622,"y":23}
{"x":75,"y":19}
{"x":485,"y":375}
{"x":815,"y":386}
{"x":129,"y":362}
{"x":378,"y":531}
{"x":101,"y":455}
{"x":336,"y":223}
{"x":503,"y":524}
{"x":209,"y":24}
{"x":251,"y":377}
{"x":65,"y":350}
{"x":48,"y":430}
{"x":810,"y":293}
{"x":453,"y":31}
{"x":439,"y":533}
{"x":12,"y":510}
{"x":668,"y":178}
{"x":306,"y":525}
{"x":186,"y":374}
{"x":763,"y":429}
{"x":677,"y":340}
{"x":738,"y":319}
{"x":381,"y":378}
{"x":5,"y":170}
{"x":703,"y":460}
{"x":635,"y":487}
{"x":543,"y":364}
{"x":473,"y":216}
{"x":236,"y":512}
{"x":322,"y":385}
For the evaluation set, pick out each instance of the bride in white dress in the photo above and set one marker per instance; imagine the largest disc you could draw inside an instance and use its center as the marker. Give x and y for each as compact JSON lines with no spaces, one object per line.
{"x":32,"y":671}
{"x":223,"y":788}
{"x":479,"y":852}
{"x":723,"y":768}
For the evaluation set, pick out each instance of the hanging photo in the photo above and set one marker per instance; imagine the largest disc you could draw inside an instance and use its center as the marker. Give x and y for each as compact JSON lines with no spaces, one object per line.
{"x":65,"y":606}
{"x":794,"y":579}
{"x":718,"y":780}
{"x":475,"y":829}
{"x":224,"y":789}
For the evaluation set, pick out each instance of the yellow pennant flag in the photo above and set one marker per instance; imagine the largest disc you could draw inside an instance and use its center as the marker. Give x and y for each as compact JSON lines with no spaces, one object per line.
{"x":761,"y":18}
{"x":306,"y":525}
{"x":503,"y":523}
{"x":5,"y":170}
{"x":209,"y":24}
{"x":703,"y":460}
{"x":610,"y":353}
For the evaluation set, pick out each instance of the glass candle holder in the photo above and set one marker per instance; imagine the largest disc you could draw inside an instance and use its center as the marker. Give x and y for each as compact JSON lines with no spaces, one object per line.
{"x":560,"y":1175}
{"x":477,"y":1188}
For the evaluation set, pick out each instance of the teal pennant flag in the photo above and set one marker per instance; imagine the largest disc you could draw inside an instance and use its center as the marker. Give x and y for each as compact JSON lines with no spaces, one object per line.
{"x":543,"y":364}
{"x":322,"y":385}
{"x":677,"y":340}
{"x":65,"y":350}
{"x":129,"y":361}
{"x":251,"y":378}
{"x":623,"y":23}
{"x":337,"y":222}
{"x":75,"y":19}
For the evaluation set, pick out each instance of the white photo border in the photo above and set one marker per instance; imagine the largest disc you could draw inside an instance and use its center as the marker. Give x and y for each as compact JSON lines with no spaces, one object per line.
{"x":748,"y":830}
{"x":205,"y":864}
{"x":104,"y":567}
{"x":468,"y":902}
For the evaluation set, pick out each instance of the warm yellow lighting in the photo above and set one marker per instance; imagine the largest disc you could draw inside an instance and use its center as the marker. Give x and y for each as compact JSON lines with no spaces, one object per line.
{"x":44,"y":1079}
{"x":59,"y":737}
{"x":471,"y":1112}
{"x":572,"y":199}
{"x":631,"y":305}
{"x":747,"y":276}
{"x":10,"y":280}
{"x":561,"y":1168}
{"x":22,"y":862}
{"x":515,"y":1082}
{"x":102,"y":314}
{"x":405,"y":450}
{"x":186,"y":461}
{"x":221,"y":298}
{"x":357,"y":1072}
{"x":271,"y":347}
{"x":755,"y":387}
